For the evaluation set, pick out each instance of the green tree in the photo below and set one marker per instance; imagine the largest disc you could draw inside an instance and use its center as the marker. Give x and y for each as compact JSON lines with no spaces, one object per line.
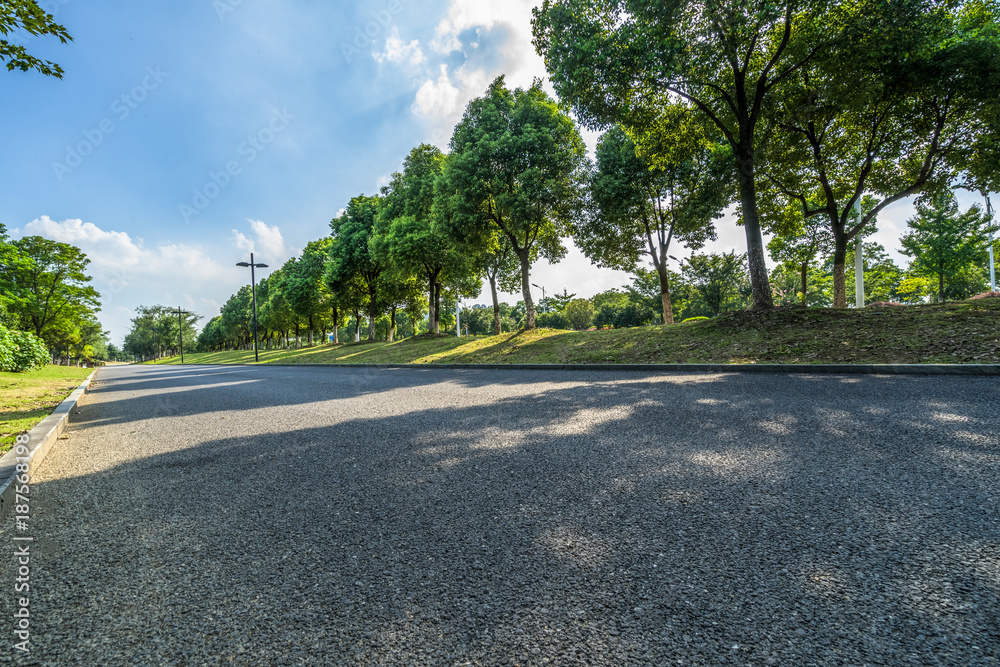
{"x":882,"y":275}
{"x":351,"y":255}
{"x":644,"y":198}
{"x":498,"y":262}
{"x":407,"y":237}
{"x":895,"y":123}
{"x":28,"y":17}
{"x":303,"y":287}
{"x":49,"y":288}
{"x":580,"y":313}
{"x":799,"y":240}
{"x":624,"y":61}
{"x":517,"y":168}
{"x":942,"y":241}
{"x":719,"y":279}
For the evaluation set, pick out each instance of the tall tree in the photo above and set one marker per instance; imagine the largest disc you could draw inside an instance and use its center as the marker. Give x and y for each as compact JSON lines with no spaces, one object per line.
{"x":351,"y":253}
{"x":51,"y":287}
{"x":28,"y":17}
{"x":406,"y":236}
{"x":303,"y":286}
{"x":942,"y":241}
{"x":640,"y":205}
{"x":623,"y":61}
{"x":517,"y":168}
{"x":897,"y":122}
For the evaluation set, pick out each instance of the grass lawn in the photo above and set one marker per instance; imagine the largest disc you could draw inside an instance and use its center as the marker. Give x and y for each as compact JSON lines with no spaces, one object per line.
{"x":955,"y":333}
{"x":28,"y":398}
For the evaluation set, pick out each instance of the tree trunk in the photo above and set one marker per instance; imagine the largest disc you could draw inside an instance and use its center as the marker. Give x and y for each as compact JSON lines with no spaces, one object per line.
{"x":357,"y":326}
{"x":437,"y":307}
{"x":668,"y":308}
{"x":336,"y":326}
{"x":805,"y":278}
{"x":529,"y":317}
{"x":392,"y":324}
{"x":297,"y":342}
{"x":759,"y":281}
{"x":941,"y":287}
{"x":311,"y":327}
{"x":496,"y":305}
{"x":372,"y":308}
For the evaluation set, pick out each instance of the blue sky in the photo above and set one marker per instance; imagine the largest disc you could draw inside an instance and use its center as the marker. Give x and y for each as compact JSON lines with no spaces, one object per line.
{"x":185,"y":134}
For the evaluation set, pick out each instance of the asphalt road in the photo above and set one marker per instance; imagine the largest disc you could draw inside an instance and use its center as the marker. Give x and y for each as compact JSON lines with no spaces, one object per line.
{"x":330,"y":516}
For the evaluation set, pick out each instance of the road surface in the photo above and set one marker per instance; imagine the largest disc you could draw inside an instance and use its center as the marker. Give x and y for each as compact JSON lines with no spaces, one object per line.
{"x":331,"y":516}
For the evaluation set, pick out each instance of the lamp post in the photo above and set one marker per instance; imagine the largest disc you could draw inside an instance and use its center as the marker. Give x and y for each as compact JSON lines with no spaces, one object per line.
{"x":180,"y":330}
{"x":253,"y":292}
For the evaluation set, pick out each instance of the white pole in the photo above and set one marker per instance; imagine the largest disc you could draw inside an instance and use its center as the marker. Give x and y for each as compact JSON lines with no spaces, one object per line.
{"x":859,"y":264}
{"x":458,"y":320}
{"x":993,"y":273}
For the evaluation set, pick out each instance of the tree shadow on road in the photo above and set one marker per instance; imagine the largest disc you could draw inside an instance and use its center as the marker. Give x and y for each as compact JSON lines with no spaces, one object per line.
{"x":585,"y":518}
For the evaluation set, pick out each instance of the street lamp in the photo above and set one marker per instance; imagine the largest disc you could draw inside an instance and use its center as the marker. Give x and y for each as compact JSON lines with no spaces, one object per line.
{"x":541,"y":288}
{"x":180,"y":330}
{"x":253,"y":292}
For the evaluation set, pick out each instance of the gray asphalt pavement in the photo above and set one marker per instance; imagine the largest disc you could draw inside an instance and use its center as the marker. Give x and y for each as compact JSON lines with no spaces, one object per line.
{"x":331,"y":516}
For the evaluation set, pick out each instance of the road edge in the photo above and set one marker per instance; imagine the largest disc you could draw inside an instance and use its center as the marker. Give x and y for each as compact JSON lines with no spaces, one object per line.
{"x":40,"y":441}
{"x":835,"y":369}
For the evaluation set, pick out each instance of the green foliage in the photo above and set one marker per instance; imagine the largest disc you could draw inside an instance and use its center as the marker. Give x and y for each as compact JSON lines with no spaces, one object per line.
{"x":159,"y":330}
{"x":622,"y":62}
{"x":700,"y":318}
{"x":21,"y":351}
{"x":580,"y":314}
{"x":721,"y":280}
{"x":48,"y":292}
{"x":898,"y":121}
{"x":643,"y":197}
{"x":943,"y":242}
{"x":554,"y":320}
{"x":28,"y":17}
{"x":517,"y":169}
{"x":623,"y":316}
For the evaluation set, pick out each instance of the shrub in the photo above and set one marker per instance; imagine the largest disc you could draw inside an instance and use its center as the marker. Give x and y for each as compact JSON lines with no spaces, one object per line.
{"x":700,"y":318}
{"x":883,"y":304}
{"x":623,"y":317}
{"x":986,"y":295}
{"x":580,"y":313}
{"x":21,"y":351}
{"x":555,"y":320}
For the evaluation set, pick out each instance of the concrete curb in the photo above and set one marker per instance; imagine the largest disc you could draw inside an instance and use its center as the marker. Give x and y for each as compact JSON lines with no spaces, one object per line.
{"x":40,"y":441}
{"x":837,"y":369}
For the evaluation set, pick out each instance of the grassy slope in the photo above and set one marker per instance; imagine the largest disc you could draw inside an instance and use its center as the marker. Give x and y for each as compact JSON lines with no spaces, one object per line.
{"x":962,"y":332}
{"x":28,"y":398}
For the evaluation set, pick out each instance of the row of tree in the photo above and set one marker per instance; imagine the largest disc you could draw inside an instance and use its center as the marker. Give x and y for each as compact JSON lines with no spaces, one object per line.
{"x":827,"y":112}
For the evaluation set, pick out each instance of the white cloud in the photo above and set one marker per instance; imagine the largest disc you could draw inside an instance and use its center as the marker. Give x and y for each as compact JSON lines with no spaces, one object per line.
{"x":129,"y":274}
{"x":437,"y":99}
{"x":266,"y":241}
{"x":398,"y":52}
